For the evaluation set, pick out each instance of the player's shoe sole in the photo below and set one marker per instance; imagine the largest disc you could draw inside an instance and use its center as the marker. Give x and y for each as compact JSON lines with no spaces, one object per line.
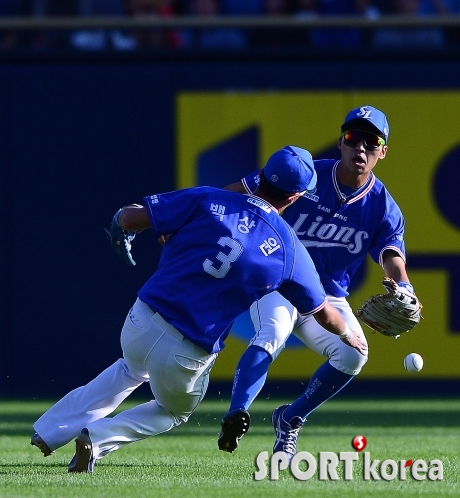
{"x":37,"y":441}
{"x":83,"y":460}
{"x":234,"y":427}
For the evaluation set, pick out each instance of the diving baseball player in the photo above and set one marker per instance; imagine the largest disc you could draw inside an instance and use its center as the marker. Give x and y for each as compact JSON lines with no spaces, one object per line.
{"x":350,"y":214}
{"x":225,"y":251}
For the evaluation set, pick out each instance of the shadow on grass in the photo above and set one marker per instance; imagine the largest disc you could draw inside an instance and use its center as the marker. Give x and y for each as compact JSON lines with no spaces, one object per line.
{"x":9,"y":468}
{"x":261,"y":424}
{"x":208,"y":417}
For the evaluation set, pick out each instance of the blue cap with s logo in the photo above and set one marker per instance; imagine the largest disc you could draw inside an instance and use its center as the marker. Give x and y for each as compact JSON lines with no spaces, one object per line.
{"x":367,"y":118}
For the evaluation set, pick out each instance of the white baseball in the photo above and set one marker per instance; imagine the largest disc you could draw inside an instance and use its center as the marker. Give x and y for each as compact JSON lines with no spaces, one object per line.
{"x":413,"y":362}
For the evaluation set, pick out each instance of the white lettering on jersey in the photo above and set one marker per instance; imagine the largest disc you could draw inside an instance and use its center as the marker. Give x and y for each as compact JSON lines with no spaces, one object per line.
{"x":314,"y":226}
{"x":154,"y":199}
{"x":296,"y":225}
{"x":353,"y":248}
{"x":340,"y":236}
{"x":326,"y":231}
{"x":218,"y":210}
{"x":269,"y":246}
{"x":245,"y":226}
{"x":344,"y":234}
{"x":226,"y":259}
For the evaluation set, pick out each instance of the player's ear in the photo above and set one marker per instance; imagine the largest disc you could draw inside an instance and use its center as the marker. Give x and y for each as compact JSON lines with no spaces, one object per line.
{"x":383,"y":152}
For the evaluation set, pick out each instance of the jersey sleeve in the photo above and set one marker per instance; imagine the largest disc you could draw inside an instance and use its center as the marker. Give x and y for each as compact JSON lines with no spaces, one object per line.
{"x":304,"y":289}
{"x":170,"y":211}
{"x":390,"y":234}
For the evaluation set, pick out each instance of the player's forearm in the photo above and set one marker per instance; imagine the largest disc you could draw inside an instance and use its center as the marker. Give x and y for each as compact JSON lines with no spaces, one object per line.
{"x":134,"y":218}
{"x":330,"y":319}
{"x":394,"y":267}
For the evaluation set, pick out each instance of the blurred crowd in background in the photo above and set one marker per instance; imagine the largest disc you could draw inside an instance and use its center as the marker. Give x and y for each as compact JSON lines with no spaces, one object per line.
{"x":229,"y":38}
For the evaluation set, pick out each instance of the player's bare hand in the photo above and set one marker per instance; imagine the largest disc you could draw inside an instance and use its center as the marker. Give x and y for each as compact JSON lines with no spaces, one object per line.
{"x":355,"y":341}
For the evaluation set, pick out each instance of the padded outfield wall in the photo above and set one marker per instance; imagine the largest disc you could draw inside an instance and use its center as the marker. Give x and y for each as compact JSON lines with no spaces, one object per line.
{"x":81,"y":137}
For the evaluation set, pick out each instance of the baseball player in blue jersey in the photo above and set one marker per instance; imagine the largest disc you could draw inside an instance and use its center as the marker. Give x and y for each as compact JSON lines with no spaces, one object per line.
{"x":349,"y":215}
{"x":225,"y":251}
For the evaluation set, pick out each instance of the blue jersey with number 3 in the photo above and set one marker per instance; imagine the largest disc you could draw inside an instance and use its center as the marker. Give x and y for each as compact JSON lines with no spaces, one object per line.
{"x":338,"y":234}
{"x":226,"y":251}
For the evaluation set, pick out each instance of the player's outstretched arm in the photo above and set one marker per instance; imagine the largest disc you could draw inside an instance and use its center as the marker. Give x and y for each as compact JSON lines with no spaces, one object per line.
{"x":330,"y":318}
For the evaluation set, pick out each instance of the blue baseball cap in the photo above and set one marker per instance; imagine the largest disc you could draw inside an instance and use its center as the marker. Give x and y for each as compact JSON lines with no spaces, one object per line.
{"x":368,"y":118}
{"x":291,"y":170}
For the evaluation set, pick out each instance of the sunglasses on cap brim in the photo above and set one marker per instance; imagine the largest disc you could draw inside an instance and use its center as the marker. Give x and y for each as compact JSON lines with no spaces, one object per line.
{"x":370,"y":140}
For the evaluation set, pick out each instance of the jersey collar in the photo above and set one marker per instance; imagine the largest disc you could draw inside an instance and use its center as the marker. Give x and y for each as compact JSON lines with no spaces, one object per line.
{"x":354,"y":197}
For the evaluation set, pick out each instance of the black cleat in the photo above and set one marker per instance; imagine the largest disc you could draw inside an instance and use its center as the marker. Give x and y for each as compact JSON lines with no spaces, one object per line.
{"x":83,"y":460}
{"x":37,"y":441}
{"x":234,"y":427}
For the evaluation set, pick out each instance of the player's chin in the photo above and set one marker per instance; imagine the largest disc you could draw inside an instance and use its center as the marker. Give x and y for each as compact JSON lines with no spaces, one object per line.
{"x":359,"y":165}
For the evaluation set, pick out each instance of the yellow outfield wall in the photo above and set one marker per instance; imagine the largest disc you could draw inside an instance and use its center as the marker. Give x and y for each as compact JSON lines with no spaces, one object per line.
{"x":424,"y":138}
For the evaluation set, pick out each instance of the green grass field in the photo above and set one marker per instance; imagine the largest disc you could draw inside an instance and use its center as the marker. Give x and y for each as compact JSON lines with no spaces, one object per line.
{"x":186,"y":462}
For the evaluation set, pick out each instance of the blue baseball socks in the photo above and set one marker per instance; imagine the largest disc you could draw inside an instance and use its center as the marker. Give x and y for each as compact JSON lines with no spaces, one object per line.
{"x":325,"y":383}
{"x":254,"y":363}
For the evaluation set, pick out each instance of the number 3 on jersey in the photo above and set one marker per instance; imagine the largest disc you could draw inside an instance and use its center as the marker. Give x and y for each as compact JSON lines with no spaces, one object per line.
{"x":226,"y":259}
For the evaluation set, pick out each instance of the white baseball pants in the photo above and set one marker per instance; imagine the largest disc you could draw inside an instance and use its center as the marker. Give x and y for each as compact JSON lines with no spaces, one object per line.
{"x":153,"y":351}
{"x":274,"y":319}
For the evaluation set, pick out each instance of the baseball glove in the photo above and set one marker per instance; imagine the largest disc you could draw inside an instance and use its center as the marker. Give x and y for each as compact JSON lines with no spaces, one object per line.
{"x":393,"y":313}
{"x":121,"y":241}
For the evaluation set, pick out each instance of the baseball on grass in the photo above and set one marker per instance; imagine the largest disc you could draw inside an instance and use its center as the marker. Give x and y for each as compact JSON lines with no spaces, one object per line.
{"x":413,"y":362}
